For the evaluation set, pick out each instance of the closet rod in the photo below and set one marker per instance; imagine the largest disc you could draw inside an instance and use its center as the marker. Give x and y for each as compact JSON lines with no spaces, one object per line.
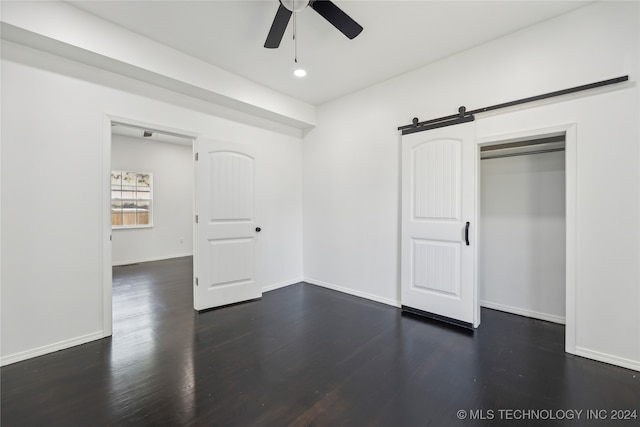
{"x":500,"y":156}
{"x":454,"y":119}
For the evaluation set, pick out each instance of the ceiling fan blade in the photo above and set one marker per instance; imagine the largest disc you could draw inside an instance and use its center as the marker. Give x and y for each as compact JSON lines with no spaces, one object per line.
{"x":336,"y":16}
{"x":278,"y":27}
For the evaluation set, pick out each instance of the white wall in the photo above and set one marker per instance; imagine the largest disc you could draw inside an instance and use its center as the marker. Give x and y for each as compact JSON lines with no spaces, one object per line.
{"x":351,"y":162}
{"x":72,"y":33}
{"x":53,"y":135}
{"x":522,"y":235}
{"x":172,"y":167}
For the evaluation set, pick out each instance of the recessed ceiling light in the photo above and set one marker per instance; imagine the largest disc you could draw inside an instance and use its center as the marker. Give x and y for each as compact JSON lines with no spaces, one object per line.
{"x":299,"y":72}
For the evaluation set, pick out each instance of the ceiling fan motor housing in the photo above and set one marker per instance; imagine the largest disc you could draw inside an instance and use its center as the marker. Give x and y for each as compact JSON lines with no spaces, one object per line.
{"x":325,"y":8}
{"x":295,"y":5}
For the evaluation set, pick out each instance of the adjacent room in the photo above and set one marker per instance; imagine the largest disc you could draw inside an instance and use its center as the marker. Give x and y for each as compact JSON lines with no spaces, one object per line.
{"x":320,"y":212}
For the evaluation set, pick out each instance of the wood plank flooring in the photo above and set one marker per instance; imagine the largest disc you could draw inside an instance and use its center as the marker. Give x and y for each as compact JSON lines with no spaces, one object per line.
{"x":305,"y":356}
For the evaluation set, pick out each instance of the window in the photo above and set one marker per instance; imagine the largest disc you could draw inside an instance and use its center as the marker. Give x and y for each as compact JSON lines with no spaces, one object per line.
{"x":131,"y":199}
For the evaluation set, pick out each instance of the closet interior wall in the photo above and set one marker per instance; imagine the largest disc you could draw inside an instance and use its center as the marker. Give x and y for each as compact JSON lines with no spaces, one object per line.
{"x":522,"y":266}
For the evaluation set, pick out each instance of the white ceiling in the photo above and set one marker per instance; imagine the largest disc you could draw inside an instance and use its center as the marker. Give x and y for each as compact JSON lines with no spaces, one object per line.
{"x":398,"y":36}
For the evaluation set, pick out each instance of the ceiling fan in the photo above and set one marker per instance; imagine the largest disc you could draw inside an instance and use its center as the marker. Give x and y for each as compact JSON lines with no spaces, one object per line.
{"x":327,"y":9}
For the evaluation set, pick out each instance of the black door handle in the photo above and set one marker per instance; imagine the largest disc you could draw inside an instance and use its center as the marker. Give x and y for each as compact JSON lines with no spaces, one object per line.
{"x":258,"y":229}
{"x":466,"y":233}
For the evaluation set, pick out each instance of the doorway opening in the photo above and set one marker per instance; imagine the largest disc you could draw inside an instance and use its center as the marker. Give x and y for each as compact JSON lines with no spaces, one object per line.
{"x":149,"y":204}
{"x":522,"y":253}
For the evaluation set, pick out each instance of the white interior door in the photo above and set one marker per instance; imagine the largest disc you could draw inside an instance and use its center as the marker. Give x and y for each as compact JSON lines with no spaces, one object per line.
{"x":226,"y":229}
{"x":438,"y":214}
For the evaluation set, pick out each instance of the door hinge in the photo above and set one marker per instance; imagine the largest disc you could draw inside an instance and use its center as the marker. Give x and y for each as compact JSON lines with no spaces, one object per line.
{"x":197,"y":284}
{"x":196,"y":219}
{"x":197,"y":157}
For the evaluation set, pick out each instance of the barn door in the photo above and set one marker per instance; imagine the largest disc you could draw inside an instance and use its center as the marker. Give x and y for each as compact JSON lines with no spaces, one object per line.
{"x":226,"y":229}
{"x":438,"y":211}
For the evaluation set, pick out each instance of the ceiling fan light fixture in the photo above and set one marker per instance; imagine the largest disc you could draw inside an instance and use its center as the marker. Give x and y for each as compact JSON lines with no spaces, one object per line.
{"x":295,"y":5}
{"x":325,"y":8}
{"x":299,"y":72}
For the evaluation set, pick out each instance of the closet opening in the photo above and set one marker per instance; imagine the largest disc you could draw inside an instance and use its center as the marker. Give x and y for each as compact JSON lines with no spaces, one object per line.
{"x":522,"y":266}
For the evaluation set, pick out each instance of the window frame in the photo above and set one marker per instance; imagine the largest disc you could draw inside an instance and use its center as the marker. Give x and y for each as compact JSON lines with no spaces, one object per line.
{"x":133,"y":200}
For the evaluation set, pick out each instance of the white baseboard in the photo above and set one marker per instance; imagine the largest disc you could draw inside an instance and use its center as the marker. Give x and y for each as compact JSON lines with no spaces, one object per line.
{"x":353,"y":292}
{"x":281,"y":284}
{"x":608,"y":358}
{"x":50,"y":348}
{"x":523,"y":312}
{"x":157,"y":258}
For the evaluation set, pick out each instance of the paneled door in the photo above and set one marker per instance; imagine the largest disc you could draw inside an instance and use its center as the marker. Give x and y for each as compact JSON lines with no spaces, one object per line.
{"x":438,"y":210}
{"x":226,"y":229}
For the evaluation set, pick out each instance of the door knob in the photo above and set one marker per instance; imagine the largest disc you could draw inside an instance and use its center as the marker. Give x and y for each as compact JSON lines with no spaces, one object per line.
{"x":258,"y":229}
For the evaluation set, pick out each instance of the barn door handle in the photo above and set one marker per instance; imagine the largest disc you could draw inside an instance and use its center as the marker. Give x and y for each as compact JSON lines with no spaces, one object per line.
{"x":466,"y":233}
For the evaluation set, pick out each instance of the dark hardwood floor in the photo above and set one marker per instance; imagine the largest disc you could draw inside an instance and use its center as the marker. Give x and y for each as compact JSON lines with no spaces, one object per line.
{"x":304,"y":356}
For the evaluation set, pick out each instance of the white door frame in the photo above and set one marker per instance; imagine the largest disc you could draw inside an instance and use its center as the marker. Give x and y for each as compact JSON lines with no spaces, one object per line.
{"x":569,"y":130}
{"x":107,"y":279}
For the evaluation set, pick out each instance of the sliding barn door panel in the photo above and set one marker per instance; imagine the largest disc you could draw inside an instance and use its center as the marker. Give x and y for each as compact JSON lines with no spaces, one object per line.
{"x":436,"y":181}
{"x":438,"y":199}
